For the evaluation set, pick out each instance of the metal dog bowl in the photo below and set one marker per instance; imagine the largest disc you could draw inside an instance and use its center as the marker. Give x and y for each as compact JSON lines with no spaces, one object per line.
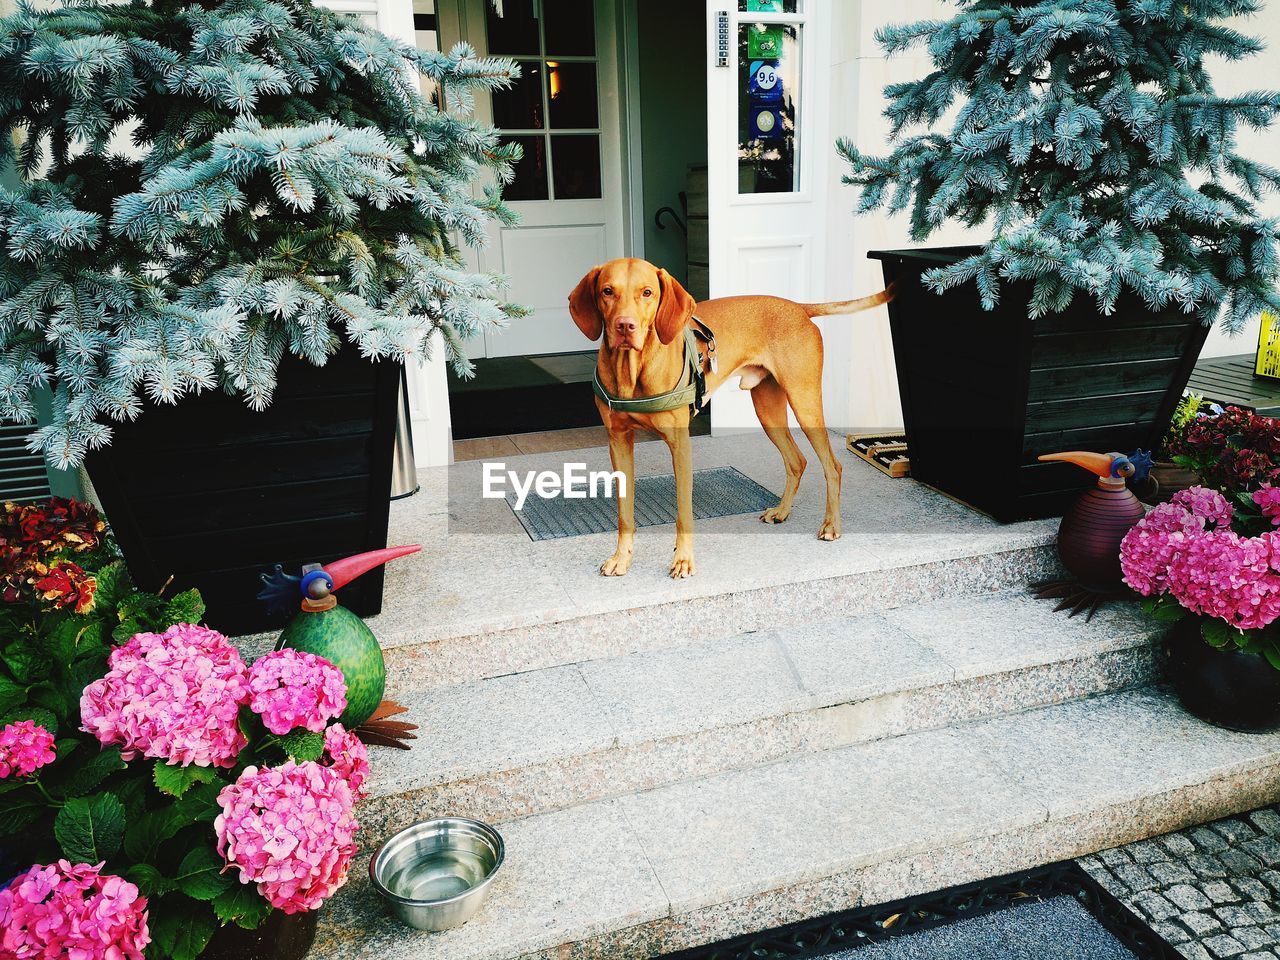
{"x":436,"y":874}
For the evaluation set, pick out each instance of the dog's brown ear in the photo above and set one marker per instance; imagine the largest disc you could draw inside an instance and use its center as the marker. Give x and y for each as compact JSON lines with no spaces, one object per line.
{"x":583,"y":307}
{"x":674,"y":309}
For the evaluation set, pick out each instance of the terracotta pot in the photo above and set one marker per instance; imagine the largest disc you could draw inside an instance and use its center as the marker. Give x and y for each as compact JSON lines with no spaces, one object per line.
{"x":1228,"y":688}
{"x":281,"y":936}
{"x":1171,"y":478}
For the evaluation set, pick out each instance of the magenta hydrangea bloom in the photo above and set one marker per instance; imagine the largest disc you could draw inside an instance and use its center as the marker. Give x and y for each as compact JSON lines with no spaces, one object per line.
{"x":1268,"y":501}
{"x":347,"y":755}
{"x":1148,"y":548}
{"x":1207,"y":504}
{"x":25,"y":747}
{"x":289,"y":829}
{"x":289,"y":688}
{"x":1233,"y":578}
{"x":63,"y":911}
{"x":174,"y":696}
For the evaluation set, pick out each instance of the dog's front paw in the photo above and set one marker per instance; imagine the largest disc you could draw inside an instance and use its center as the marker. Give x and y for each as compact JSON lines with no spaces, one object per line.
{"x":617,"y":565}
{"x":830,"y":529}
{"x":776,"y":514}
{"x":682,"y":565}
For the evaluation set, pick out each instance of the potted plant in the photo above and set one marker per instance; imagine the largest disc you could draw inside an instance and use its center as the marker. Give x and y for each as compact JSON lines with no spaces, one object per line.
{"x":158,"y":793}
{"x":220,"y":204}
{"x":1090,"y":141}
{"x":1211,"y":568}
{"x":1169,"y":475}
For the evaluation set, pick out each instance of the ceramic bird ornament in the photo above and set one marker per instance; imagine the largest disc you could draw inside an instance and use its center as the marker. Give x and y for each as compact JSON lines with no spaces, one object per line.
{"x":1092,"y":528}
{"x":329,"y":630}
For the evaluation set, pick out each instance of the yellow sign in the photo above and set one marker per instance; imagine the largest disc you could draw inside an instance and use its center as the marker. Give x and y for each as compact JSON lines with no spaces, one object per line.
{"x":1269,"y":347}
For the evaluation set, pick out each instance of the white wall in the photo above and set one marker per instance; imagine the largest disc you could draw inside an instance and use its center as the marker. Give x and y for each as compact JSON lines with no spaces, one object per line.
{"x":860,"y":384}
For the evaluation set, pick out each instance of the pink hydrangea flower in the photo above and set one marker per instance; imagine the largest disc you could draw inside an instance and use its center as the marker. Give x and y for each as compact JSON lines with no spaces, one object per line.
{"x":289,"y":688}
{"x":1148,"y":548}
{"x":1207,"y":504}
{"x":1268,"y":501}
{"x":347,"y":755}
{"x":25,"y":747}
{"x":63,"y":911}
{"x":289,"y":829}
{"x":174,"y":696}
{"x":1233,"y":578}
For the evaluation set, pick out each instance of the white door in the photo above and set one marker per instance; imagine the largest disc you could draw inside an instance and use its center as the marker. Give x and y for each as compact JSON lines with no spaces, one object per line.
{"x":767,"y":153}
{"x":568,"y":190}
{"x":427,"y":382}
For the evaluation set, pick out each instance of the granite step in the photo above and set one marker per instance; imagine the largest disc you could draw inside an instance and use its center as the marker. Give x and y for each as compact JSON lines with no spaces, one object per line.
{"x":698,"y":861}
{"x":528,"y":743}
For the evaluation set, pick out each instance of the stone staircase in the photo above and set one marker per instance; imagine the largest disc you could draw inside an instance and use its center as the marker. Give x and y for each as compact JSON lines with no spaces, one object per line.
{"x":674,"y":764}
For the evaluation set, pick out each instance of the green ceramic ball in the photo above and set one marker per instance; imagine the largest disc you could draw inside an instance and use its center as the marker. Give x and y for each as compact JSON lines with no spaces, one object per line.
{"x":346,"y":641}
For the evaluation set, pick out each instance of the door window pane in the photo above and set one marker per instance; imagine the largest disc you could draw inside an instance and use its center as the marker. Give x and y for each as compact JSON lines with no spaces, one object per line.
{"x":771,"y":6}
{"x":519,"y":107}
{"x":515,"y":30}
{"x":768,"y":102}
{"x":570,"y":27}
{"x":571,"y":92}
{"x":575,"y":164}
{"x":530,"y":181}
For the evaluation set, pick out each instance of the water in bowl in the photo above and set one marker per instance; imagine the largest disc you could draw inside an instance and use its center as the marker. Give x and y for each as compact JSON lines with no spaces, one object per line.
{"x":439,"y":875}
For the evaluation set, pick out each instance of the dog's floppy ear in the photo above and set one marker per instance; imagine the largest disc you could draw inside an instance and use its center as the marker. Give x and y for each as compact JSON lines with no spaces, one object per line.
{"x":583,"y":308}
{"x":674,"y":309}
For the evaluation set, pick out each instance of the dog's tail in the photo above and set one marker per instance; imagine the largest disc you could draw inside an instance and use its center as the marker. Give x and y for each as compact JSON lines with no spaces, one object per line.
{"x":850,"y":306}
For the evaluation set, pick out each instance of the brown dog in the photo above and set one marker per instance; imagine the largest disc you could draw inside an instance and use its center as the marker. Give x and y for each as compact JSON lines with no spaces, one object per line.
{"x":772,"y":343}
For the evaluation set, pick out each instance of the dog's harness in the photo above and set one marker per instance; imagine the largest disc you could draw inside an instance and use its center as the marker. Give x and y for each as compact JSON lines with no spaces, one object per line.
{"x":689,"y":391}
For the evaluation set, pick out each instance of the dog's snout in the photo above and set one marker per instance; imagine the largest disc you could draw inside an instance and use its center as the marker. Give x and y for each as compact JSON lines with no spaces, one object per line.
{"x":626,"y":324}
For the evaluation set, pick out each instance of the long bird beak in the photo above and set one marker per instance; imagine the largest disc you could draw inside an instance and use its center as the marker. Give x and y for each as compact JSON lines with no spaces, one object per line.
{"x":1099,"y":463}
{"x":348,"y":568}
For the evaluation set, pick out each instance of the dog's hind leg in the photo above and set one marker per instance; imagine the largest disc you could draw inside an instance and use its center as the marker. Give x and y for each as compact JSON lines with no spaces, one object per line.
{"x":771,"y":407}
{"x":807,"y":404}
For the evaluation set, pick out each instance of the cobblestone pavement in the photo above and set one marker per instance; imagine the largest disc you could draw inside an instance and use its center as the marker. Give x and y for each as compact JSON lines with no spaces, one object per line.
{"x":1211,"y":891}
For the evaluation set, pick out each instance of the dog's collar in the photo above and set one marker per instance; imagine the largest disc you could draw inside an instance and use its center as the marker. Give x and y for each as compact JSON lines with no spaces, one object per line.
{"x":688,"y":391}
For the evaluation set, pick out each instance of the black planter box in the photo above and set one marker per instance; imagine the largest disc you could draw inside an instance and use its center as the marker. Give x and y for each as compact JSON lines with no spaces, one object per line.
{"x":985,"y":392}
{"x":212,"y":494}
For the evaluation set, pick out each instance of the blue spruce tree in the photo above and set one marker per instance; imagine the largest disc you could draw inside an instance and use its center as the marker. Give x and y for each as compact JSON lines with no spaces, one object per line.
{"x":1089,"y":137}
{"x":205,"y":187}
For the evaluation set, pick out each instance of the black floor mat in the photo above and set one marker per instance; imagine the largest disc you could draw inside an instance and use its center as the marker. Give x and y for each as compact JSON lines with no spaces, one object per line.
{"x":1057,"y":912}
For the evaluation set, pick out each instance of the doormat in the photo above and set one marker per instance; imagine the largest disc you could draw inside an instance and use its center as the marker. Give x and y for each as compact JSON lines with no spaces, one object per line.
{"x":718,"y":492}
{"x":1057,"y":912}
{"x":887,"y":452}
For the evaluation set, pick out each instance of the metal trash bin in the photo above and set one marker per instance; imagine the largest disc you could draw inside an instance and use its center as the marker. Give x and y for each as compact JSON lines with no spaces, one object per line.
{"x":404,"y":475}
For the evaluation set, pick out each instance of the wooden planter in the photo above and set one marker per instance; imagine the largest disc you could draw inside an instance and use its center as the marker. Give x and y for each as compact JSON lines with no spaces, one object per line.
{"x":212,"y":494}
{"x":985,"y":392}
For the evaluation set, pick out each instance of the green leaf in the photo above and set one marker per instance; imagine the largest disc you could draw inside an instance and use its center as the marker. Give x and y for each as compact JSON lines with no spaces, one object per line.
{"x":175,"y":780}
{"x":185,"y":607}
{"x":18,"y":813}
{"x":145,"y":834}
{"x":303,"y":744}
{"x":1272,"y":652}
{"x":113,"y":584}
{"x":24,"y":663}
{"x":89,"y":775}
{"x":200,"y":803}
{"x":89,"y":829}
{"x":200,"y":874}
{"x":243,"y":906}
{"x":1219,"y":634}
{"x":183,"y":931}
{"x":148,"y":879}
{"x":1169,"y":612}
{"x":11,"y":694}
